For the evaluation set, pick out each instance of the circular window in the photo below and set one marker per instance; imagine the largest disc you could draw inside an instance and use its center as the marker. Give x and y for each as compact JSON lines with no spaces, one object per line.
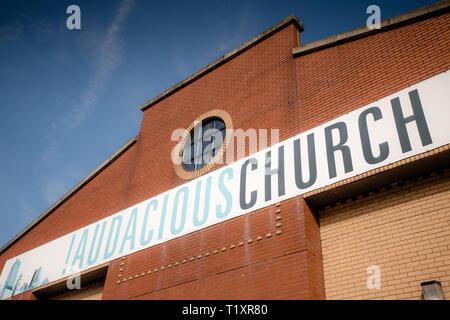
{"x":203,"y":144}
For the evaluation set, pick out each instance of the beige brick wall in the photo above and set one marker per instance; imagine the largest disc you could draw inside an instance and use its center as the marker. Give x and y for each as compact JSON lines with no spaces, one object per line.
{"x":405,"y":231}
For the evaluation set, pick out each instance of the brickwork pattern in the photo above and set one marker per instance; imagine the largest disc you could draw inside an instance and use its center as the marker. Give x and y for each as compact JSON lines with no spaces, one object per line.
{"x":405,"y":231}
{"x":146,"y":169}
{"x":339,"y":79}
{"x":257,"y":88}
{"x":262,"y":255}
{"x":263,"y":87}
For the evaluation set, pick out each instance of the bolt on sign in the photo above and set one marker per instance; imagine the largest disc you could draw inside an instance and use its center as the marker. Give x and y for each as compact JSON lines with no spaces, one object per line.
{"x":406,"y":123}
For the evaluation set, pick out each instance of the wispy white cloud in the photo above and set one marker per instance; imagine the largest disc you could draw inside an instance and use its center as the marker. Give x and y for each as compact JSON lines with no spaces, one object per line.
{"x":26,"y":212}
{"x":10,"y":33}
{"x":43,"y":27}
{"x":55,"y":188}
{"x":230,"y":36}
{"x":108,"y":58}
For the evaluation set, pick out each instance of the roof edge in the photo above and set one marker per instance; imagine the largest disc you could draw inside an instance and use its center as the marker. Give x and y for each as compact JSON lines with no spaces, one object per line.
{"x":402,"y":19}
{"x":69,"y":194}
{"x":230,"y":55}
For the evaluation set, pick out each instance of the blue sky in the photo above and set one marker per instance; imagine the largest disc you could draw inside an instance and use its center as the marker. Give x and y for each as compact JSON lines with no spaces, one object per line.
{"x":71,"y":98}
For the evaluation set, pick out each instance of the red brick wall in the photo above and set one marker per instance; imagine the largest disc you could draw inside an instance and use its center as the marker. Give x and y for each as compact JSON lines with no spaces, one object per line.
{"x":336,"y":80}
{"x":258,"y":89}
{"x":261,"y":88}
{"x":275,"y":266}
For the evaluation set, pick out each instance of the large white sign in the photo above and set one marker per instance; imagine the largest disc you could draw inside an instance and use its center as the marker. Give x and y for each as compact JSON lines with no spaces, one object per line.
{"x":398,"y":126}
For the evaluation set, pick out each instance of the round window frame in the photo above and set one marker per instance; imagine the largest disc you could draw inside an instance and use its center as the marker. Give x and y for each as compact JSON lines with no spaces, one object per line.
{"x":178,"y":164}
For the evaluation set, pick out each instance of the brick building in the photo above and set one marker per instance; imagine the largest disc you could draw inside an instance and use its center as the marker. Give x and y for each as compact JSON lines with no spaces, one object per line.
{"x":380,"y":206}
